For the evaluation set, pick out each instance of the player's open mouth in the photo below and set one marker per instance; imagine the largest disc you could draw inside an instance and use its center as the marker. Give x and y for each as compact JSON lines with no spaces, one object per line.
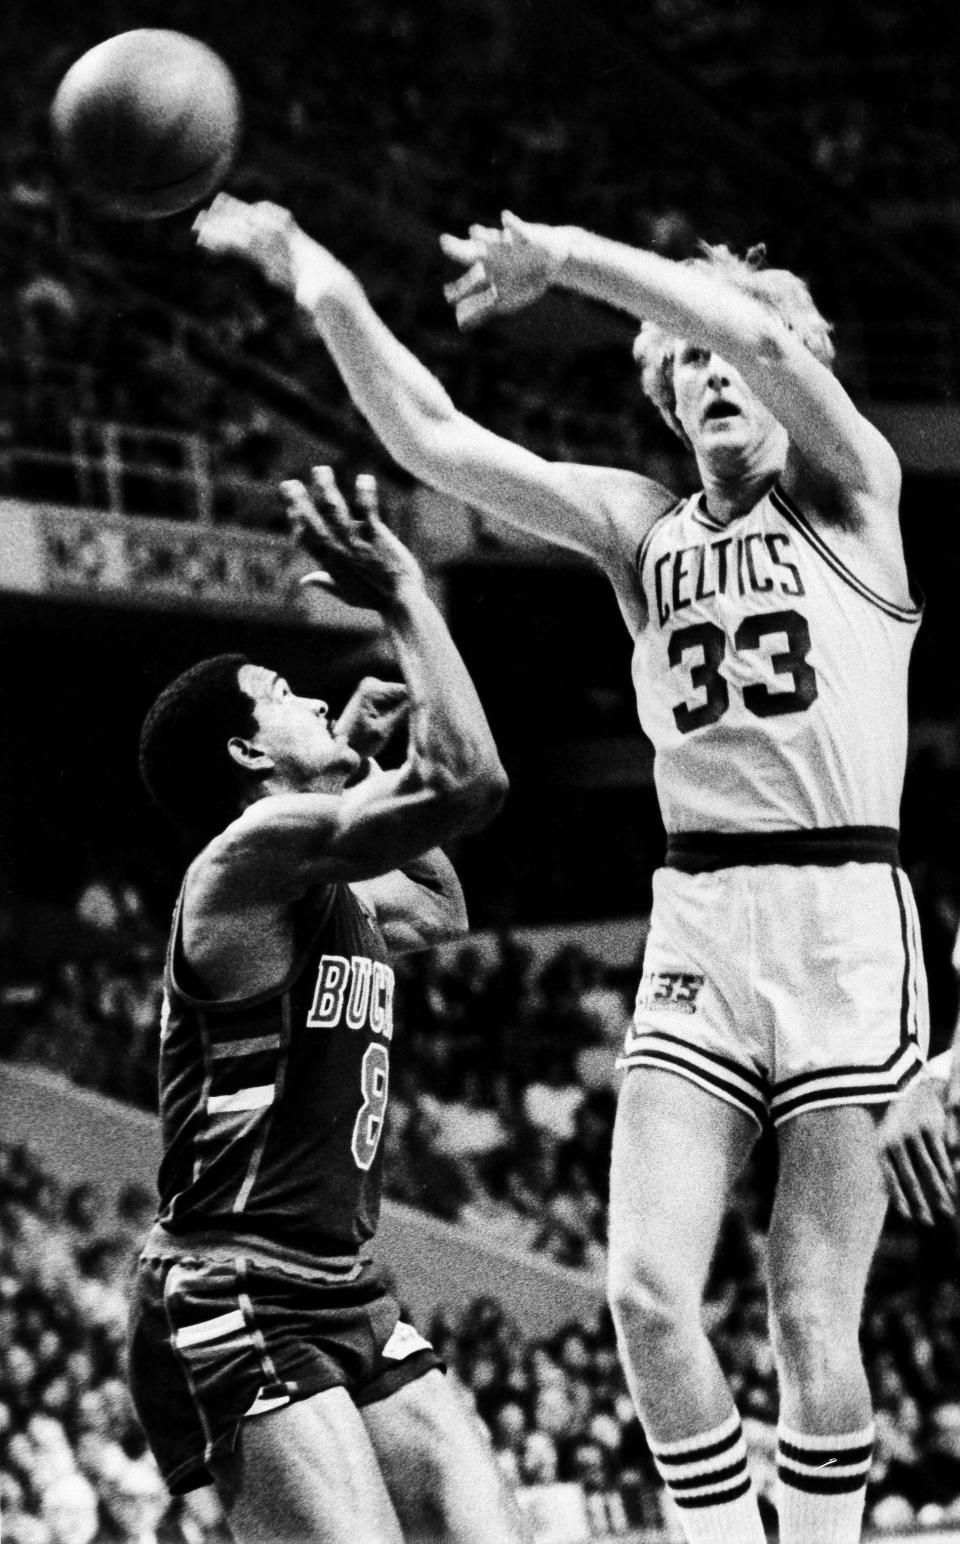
{"x":720,"y":409}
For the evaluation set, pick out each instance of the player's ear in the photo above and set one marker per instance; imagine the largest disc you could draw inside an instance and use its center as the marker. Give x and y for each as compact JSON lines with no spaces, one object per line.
{"x":248,"y":755}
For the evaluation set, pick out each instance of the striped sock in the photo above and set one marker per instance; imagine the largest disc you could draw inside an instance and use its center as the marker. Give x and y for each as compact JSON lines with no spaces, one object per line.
{"x":707,"y":1477}
{"x":822,"y":1484}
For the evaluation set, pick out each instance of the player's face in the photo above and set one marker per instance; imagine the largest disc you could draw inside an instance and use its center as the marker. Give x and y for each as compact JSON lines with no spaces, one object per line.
{"x":720,"y":414}
{"x":297,"y":733}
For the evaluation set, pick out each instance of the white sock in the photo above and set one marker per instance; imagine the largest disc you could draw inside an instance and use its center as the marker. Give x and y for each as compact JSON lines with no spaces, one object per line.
{"x":822,"y":1483}
{"x":707,"y":1478}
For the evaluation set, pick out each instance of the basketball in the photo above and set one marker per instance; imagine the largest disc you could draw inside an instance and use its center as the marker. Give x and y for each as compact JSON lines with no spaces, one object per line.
{"x":147,"y":123}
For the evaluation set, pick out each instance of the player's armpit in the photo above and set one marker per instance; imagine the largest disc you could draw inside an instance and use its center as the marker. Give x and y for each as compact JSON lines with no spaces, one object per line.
{"x":418,"y":906}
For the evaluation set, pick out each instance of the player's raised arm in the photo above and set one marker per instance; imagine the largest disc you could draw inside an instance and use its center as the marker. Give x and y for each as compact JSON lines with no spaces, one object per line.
{"x":451,"y":780}
{"x":506,"y":269}
{"x":599,"y":512}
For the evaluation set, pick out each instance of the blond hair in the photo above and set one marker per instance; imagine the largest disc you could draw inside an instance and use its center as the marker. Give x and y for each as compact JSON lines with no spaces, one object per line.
{"x":781,"y":291}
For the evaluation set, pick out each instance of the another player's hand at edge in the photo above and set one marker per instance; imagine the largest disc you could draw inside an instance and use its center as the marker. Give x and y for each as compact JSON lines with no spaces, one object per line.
{"x":364,"y":564}
{"x":506,"y":268}
{"x":918,"y":1167}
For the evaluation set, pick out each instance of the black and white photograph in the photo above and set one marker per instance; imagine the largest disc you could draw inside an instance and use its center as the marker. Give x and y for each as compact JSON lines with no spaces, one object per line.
{"x":480,"y":772}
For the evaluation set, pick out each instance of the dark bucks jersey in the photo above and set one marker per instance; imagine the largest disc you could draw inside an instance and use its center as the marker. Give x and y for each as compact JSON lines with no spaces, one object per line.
{"x":272,"y":1107}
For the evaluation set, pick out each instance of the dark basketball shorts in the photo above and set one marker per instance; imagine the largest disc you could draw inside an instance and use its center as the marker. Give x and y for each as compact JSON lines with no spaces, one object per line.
{"x":217,"y":1341}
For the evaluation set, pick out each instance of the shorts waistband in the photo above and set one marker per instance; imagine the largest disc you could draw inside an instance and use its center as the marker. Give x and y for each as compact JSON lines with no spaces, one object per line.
{"x":225,"y":1248}
{"x":702,"y":852}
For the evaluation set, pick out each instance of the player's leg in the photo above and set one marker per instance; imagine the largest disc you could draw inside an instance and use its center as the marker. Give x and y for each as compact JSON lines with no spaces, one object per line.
{"x":677,"y":1152}
{"x":306,"y":1473}
{"x":438,"y":1463}
{"x":439,"y":1467}
{"x":826,"y":1222}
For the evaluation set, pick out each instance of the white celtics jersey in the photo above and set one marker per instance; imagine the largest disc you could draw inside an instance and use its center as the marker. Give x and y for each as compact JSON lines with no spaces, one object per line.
{"x":771,"y":680}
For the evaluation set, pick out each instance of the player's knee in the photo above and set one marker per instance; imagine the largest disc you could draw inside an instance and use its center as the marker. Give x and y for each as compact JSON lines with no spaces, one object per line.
{"x":645,"y":1300}
{"x":811,"y":1341}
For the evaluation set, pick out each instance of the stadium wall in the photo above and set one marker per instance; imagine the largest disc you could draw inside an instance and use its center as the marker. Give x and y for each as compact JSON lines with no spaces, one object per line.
{"x":83,"y":1136}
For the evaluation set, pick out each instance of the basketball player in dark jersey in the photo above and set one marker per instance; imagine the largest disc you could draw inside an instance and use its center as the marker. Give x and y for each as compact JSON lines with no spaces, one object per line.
{"x":266,"y":1353}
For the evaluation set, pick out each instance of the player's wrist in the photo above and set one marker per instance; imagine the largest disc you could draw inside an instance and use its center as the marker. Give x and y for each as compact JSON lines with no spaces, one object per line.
{"x":405,"y":599}
{"x":316,"y":275}
{"x":560,"y":245}
{"x":572,"y":250}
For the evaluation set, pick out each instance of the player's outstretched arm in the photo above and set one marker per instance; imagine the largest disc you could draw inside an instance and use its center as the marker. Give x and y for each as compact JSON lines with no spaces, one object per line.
{"x":505,"y":269}
{"x":451,"y":780}
{"x":599,"y":512}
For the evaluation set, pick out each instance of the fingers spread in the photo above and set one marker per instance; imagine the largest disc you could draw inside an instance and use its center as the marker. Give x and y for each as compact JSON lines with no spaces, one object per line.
{"x":894,"y":1187}
{"x":911,"y":1186}
{"x":367,"y":503}
{"x":469,"y":283}
{"x":486,"y":234}
{"x":936,"y":1161}
{"x":477,"y":309}
{"x":460,"y":250}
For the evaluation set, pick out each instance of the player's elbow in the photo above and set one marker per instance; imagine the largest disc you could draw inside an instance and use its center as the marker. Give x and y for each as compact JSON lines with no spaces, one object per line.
{"x":489,"y":794}
{"x":434,"y":447}
{"x":470,"y":792}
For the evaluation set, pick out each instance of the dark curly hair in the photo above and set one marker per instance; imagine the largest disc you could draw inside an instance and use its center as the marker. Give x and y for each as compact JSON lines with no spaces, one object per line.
{"x":184,"y":760}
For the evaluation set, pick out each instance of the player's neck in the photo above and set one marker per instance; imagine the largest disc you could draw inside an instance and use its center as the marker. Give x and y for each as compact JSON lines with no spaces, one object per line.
{"x":733,"y":485}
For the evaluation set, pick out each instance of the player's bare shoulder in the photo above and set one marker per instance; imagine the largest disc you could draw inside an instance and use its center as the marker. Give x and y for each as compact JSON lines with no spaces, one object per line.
{"x":237,"y":916}
{"x":625,"y":507}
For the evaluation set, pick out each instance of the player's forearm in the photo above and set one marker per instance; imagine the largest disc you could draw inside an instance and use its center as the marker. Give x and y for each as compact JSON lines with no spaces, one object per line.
{"x":400,"y":398}
{"x":685,"y":301}
{"x":450,"y":745}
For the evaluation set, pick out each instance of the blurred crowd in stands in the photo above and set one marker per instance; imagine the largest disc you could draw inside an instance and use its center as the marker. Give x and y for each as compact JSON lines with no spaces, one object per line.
{"x":501,"y":1116}
{"x":377,"y":152}
{"x":503,"y":1083}
{"x":74,"y":1468}
{"x":411,"y":119}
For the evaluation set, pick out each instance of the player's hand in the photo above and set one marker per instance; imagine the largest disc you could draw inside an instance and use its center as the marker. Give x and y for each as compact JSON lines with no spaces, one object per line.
{"x":267,"y":236}
{"x":364,"y":564}
{"x":506,"y":269}
{"x":916,"y":1161}
{"x":372,"y":714}
{"x":951,"y":1104}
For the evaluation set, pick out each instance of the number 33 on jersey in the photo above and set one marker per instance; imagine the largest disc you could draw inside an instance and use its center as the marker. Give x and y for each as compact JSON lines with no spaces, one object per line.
{"x":770,"y":678}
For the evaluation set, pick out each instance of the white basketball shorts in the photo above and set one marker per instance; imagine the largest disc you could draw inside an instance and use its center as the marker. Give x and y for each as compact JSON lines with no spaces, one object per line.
{"x":784,"y":987}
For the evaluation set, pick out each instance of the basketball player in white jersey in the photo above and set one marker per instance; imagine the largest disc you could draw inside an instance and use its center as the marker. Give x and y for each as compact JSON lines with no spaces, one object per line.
{"x":773,"y":623}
